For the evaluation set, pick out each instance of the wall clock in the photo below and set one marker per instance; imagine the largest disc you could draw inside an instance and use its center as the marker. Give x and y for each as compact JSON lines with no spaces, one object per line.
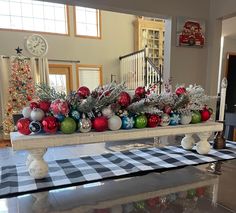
{"x":36,"y":45}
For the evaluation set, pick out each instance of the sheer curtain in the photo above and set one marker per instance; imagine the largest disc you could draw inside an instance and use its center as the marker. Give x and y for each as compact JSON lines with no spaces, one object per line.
{"x":39,"y":71}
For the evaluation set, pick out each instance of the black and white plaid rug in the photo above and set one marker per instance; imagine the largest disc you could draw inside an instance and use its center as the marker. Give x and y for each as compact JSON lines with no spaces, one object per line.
{"x":15,"y":180}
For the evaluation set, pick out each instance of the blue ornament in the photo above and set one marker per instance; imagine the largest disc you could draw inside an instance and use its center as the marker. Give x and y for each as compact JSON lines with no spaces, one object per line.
{"x":174,"y":119}
{"x":60,"y":117}
{"x":127,"y":122}
{"x":75,"y":115}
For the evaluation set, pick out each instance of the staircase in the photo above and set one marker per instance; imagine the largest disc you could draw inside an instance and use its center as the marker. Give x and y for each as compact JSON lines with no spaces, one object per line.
{"x":136,"y":69}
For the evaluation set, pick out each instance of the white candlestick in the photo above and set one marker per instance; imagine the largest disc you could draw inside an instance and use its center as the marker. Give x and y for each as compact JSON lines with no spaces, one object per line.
{"x":222,"y":99}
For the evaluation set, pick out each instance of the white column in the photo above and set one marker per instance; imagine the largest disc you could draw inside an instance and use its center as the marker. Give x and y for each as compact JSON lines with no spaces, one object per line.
{"x":222,"y":98}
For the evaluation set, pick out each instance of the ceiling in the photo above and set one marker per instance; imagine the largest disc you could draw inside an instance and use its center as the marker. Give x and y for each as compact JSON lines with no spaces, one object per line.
{"x":229,"y":27}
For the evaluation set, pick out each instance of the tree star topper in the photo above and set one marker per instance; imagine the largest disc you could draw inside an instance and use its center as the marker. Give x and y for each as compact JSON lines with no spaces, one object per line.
{"x":18,"y":50}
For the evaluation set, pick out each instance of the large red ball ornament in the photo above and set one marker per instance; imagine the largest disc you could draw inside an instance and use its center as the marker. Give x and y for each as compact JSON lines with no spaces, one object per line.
{"x":23,"y":126}
{"x":180,"y":91}
{"x":34,"y":105}
{"x":153,"y":121}
{"x":83,"y":92}
{"x":50,"y":124}
{"x":205,"y":114}
{"x":100,"y":124}
{"x":124,"y":99}
{"x":140,"y":91}
{"x":44,"y":105}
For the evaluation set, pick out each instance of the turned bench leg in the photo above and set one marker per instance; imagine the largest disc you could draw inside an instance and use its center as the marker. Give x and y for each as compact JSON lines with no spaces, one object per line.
{"x":203,"y":146}
{"x":35,"y":163}
{"x":188,"y":142}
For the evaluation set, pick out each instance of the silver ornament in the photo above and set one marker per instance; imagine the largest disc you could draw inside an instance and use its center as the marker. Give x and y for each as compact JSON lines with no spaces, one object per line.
{"x":165,"y":120}
{"x":114,"y":123}
{"x":85,"y":125}
{"x":185,"y":118}
{"x":37,"y":114}
{"x":35,"y":127}
{"x":26,"y":112}
{"x":107,"y":112}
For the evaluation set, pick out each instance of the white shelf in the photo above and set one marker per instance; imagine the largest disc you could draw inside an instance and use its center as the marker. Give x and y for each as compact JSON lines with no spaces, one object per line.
{"x":27,"y":142}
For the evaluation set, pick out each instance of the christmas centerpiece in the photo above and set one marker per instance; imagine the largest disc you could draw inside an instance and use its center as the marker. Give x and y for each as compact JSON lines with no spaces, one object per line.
{"x":111,"y":107}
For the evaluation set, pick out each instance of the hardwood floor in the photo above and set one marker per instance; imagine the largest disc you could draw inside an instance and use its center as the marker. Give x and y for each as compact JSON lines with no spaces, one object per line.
{"x":5,"y":143}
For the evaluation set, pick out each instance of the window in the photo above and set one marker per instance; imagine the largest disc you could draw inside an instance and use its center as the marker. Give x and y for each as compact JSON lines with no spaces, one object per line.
{"x":60,"y":77}
{"x":33,"y":16}
{"x":89,"y":76}
{"x":88,"y":22}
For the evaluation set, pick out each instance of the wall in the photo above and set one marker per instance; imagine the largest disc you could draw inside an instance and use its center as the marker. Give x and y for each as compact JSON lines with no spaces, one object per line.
{"x":117,"y":40}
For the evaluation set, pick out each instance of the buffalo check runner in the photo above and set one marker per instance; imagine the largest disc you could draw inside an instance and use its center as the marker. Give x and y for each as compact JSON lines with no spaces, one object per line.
{"x":15,"y":180}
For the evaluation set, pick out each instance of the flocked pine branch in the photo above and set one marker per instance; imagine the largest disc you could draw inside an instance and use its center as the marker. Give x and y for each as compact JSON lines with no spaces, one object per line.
{"x":87,"y":105}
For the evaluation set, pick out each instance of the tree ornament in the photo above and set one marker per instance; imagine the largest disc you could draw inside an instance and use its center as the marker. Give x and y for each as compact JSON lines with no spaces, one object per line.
{"x":83,"y":92}
{"x":205,"y":114}
{"x":37,"y":114}
{"x":84,"y":125}
{"x":196,"y":117}
{"x":100,"y":124}
{"x":44,"y":105}
{"x":34,"y":105}
{"x":185,"y":118}
{"x":174,"y":119}
{"x":124,"y":99}
{"x":59,"y":107}
{"x":200,"y":191}
{"x":167,"y":109}
{"x":127,"y":122}
{"x":152,"y":202}
{"x":50,"y":124}
{"x":75,"y":115}
{"x":153,"y":121}
{"x":122,"y":112}
{"x":68,"y":125}
{"x":60,"y":117}
{"x":191,"y":193}
{"x":210,"y":110}
{"x":180,"y":91}
{"x":140,"y":91}
{"x":23,"y":126}
{"x":114,"y":123}
{"x":107,"y":112}
{"x":35,"y":127}
{"x":165,"y":120}
{"x":140,"y":121}
{"x":26,"y":112}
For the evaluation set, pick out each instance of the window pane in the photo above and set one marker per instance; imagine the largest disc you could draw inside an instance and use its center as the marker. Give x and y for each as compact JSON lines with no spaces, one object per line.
{"x":59,"y":13}
{"x":5,"y":8}
{"x":48,"y":12}
{"x":89,"y":78}
{"x":16,"y":23}
{"x":92,"y":30}
{"x":15,"y":9}
{"x":38,"y":11}
{"x":58,"y":82}
{"x":27,"y":10}
{"x":5,"y":21}
{"x":81,"y":29}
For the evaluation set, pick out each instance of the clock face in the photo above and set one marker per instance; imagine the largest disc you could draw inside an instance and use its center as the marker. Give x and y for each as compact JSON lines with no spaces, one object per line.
{"x":37,"y":45}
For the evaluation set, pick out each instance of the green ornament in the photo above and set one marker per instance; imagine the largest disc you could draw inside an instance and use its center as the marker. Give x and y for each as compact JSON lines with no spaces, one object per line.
{"x":196,"y":117}
{"x":191,"y":193}
{"x":140,"y":121}
{"x":68,"y":125}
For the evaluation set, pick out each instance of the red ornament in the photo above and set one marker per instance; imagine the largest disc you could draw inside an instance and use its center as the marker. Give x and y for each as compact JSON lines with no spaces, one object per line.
{"x":34,"y":105}
{"x":23,"y":126}
{"x":152,"y":202}
{"x":200,"y":191}
{"x":167,"y":110}
{"x":153,"y":121}
{"x":83,"y":92}
{"x":140,"y":91}
{"x":50,"y":124}
{"x":124,"y":99}
{"x":180,"y":90}
{"x":44,"y":105}
{"x":100,"y":124}
{"x":205,"y":114}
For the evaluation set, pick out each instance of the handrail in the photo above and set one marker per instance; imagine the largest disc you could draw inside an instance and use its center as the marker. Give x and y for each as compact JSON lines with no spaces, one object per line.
{"x":133,"y":53}
{"x":153,"y":65}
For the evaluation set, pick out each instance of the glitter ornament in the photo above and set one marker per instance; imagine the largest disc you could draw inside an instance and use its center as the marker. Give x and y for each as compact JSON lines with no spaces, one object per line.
{"x":107,"y":112}
{"x":127,"y":122}
{"x":174,"y":119}
{"x":44,"y":105}
{"x":124,"y":99}
{"x":50,"y":124}
{"x":75,"y":115}
{"x":165,"y":120}
{"x":196,"y":117}
{"x":83,"y":92}
{"x":153,"y":121}
{"x":205,"y":114}
{"x":140,"y":121}
{"x":185,"y":118}
{"x":34,"y":105}
{"x":84,"y":125}
{"x":100,"y":124}
{"x":37,"y":114}
{"x":26,"y":112}
{"x":35,"y":127}
{"x":68,"y":126}
{"x":114,"y":123}
{"x":23,"y":126}
{"x":180,"y":91}
{"x":167,"y":109}
{"x":59,"y":107}
{"x":140,"y":92}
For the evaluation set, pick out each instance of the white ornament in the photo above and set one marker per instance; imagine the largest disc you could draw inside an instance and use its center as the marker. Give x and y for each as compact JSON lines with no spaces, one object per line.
{"x":37,"y":114}
{"x":26,"y":112}
{"x":185,"y":119}
{"x":107,"y":112}
{"x":114,"y":123}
